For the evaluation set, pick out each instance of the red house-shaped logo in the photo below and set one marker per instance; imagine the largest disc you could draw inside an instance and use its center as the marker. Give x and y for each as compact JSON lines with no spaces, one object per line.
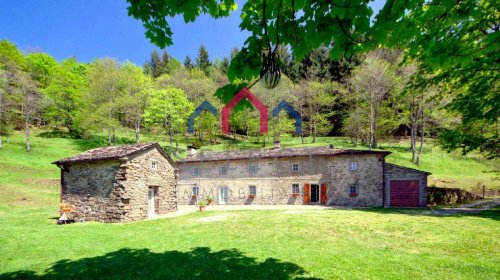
{"x":244,"y":93}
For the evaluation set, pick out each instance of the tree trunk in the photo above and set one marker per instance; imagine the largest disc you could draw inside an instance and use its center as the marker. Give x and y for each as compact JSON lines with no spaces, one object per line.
{"x":171,"y":136}
{"x":114,"y":135}
{"x":27,"y":124}
{"x":314,"y":132}
{"x":109,"y":137}
{"x":372,"y":117}
{"x":422,"y":135}
{"x":176,"y":149}
{"x":137,"y":130}
{"x":413,"y":140}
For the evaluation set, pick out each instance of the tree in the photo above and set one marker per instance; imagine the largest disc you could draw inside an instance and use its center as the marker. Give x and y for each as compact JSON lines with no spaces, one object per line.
{"x":188,"y":64}
{"x":203,"y":60}
{"x":64,"y":94}
{"x":102,"y":97}
{"x":374,"y":79}
{"x":457,"y":39}
{"x":11,"y":62}
{"x":157,"y":66}
{"x":169,"y":108}
{"x":136,"y":96}
{"x":29,"y":100}
{"x":41,"y":67}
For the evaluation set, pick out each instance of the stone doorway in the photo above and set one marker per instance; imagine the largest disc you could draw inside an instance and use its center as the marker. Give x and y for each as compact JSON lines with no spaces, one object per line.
{"x":314,"y":193}
{"x":153,"y":201}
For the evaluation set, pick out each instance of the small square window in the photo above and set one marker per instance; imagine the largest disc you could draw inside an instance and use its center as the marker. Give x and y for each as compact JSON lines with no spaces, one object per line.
{"x":252,"y":190}
{"x":154,"y":165}
{"x":252,"y":169}
{"x":223,"y":170}
{"x":196,"y":171}
{"x":196,"y":190}
{"x":353,"y":166}
{"x":295,"y":167}
{"x":295,"y":188}
{"x":353,"y":189}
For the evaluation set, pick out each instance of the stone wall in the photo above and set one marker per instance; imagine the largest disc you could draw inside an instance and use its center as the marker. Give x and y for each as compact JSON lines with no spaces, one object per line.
{"x":443,"y":196}
{"x":117,"y":191}
{"x":394,"y":172}
{"x":274,"y":178}
{"x":90,"y":188}
{"x":140,"y":176}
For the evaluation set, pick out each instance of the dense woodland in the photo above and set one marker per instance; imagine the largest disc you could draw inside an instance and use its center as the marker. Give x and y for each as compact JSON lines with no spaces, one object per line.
{"x":366,"y":98}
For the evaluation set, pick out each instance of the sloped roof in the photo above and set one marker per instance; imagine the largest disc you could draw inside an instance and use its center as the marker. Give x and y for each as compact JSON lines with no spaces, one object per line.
{"x":113,"y":153}
{"x":280,"y":153}
{"x":407,"y":168}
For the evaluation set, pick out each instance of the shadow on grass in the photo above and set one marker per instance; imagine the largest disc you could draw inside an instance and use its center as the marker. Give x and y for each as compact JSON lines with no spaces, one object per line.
{"x":492,"y":213}
{"x":199,"y":263}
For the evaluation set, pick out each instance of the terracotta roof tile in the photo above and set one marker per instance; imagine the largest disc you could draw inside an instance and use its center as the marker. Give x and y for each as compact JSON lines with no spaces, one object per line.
{"x":271,"y":153}
{"x":110,"y":153}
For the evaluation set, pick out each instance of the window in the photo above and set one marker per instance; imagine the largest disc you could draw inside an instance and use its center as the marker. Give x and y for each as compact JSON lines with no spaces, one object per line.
{"x":353,"y":166}
{"x":295,"y":189}
{"x":295,"y":167}
{"x":252,"y":169}
{"x":252,"y":190}
{"x":196,"y":190}
{"x":154,"y":165}
{"x":223,"y":170}
{"x":196,"y":171}
{"x":353,"y":190}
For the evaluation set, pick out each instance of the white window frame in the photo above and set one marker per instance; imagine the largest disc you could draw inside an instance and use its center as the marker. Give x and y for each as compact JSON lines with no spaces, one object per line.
{"x":353,"y":166}
{"x":195,"y":190}
{"x":298,"y":188}
{"x":196,"y":171}
{"x":293,"y":169}
{"x":250,"y":190}
{"x":154,"y":165}
{"x":223,"y":168}
{"x":252,"y":169}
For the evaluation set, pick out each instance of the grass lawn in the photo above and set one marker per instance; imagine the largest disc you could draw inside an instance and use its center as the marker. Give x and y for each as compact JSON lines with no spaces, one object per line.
{"x":302,"y":244}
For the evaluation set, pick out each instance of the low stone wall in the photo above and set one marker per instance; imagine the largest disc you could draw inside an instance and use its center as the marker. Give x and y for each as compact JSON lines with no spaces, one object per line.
{"x":437,"y":195}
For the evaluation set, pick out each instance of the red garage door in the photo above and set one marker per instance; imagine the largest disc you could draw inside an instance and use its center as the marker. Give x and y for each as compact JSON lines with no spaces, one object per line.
{"x":404,"y":193}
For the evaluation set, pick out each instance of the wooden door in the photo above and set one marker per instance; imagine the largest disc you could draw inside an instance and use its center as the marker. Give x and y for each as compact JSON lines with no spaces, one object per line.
{"x":307,"y":196}
{"x":323,"y":194}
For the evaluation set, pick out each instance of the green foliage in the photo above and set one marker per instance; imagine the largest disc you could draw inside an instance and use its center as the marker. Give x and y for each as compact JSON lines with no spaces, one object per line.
{"x":10,"y":56}
{"x":64,"y":94}
{"x":169,"y":108}
{"x":153,"y":15}
{"x":203,"y":60}
{"x":456,"y":42}
{"x":41,"y":66}
{"x":157,"y":66}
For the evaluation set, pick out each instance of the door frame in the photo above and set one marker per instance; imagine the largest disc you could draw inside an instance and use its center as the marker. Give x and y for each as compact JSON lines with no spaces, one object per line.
{"x":220,"y":193}
{"x":318,"y":192}
{"x":151,"y":202}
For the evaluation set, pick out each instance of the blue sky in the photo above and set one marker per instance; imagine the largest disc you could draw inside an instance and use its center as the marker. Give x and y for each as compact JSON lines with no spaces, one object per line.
{"x":91,"y":29}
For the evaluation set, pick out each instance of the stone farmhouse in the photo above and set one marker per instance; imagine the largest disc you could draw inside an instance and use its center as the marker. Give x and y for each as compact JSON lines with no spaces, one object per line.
{"x":134,"y":182}
{"x":119,"y":183}
{"x":312,"y":175}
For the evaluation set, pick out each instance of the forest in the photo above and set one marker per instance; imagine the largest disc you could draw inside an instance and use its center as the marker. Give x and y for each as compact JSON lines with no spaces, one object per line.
{"x":368,"y":97}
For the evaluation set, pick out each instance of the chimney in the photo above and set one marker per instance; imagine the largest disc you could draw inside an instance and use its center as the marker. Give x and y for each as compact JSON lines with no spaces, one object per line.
{"x":191,"y":151}
{"x":277,"y":144}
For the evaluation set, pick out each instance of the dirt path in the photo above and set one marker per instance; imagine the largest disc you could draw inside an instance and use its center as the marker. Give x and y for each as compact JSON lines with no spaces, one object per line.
{"x":474,"y":207}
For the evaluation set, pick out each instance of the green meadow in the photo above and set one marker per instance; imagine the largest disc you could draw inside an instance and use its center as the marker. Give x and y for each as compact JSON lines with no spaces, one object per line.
{"x":281,"y":244}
